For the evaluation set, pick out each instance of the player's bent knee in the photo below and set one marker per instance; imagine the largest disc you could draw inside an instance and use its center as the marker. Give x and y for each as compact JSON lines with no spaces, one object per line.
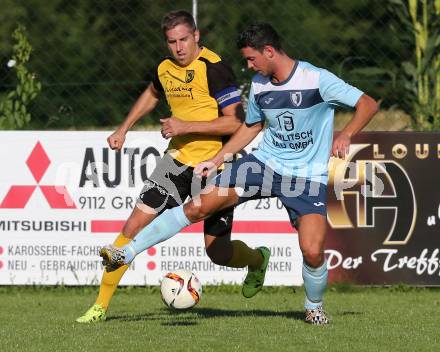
{"x":313,"y":257}
{"x":196,"y":212}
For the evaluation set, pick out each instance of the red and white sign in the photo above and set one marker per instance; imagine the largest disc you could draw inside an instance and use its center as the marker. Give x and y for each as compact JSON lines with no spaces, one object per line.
{"x":65,"y":194}
{"x":18,"y":195}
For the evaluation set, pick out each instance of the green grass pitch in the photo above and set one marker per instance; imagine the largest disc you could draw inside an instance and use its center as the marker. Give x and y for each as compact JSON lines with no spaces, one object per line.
{"x":363,"y":319}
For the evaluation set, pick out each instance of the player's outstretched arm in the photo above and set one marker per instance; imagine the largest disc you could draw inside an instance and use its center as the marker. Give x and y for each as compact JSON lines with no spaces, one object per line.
{"x":366,"y":108}
{"x":240,"y":139}
{"x":144,"y":105}
{"x":225,"y":125}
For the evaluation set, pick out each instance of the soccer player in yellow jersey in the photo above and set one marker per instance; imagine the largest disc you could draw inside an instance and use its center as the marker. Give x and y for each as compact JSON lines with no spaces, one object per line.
{"x":205,"y":107}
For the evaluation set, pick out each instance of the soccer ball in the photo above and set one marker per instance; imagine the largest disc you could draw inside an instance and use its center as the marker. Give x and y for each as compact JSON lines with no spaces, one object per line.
{"x":181,"y":289}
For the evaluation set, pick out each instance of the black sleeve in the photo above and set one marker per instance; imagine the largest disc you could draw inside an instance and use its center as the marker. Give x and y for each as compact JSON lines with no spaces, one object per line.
{"x":220,"y":77}
{"x":156,"y":81}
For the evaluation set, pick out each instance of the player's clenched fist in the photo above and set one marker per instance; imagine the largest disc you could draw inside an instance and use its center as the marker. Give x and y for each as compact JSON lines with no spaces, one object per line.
{"x":116,"y":140}
{"x":172,"y":126}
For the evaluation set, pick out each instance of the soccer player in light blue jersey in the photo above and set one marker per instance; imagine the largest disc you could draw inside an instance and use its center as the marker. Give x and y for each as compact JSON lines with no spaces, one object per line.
{"x":293,"y":101}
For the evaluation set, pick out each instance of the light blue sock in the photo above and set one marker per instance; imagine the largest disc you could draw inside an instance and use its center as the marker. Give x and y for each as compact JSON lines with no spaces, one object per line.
{"x":165,"y":226}
{"x":315,"y":282}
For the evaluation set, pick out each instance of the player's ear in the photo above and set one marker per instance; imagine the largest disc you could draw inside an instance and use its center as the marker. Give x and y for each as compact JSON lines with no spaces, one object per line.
{"x":197,"y":35}
{"x":269,"y":50}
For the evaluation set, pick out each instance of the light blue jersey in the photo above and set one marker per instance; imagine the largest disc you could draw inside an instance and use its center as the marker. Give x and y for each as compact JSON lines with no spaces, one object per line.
{"x":299,"y":115}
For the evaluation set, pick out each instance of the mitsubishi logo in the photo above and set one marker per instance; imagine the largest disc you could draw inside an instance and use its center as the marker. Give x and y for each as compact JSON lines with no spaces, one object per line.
{"x":18,"y":195}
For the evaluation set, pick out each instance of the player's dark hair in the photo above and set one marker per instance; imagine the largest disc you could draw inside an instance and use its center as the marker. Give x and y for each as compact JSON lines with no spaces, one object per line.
{"x":174,"y":18}
{"x":258,"y":35}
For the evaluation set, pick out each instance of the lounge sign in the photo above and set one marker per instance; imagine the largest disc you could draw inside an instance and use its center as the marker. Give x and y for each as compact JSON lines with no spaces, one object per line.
{"x":384,"y":210}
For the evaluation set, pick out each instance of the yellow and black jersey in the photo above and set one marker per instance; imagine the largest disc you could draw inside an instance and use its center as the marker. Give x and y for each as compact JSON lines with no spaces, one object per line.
{"x":196,"y":92}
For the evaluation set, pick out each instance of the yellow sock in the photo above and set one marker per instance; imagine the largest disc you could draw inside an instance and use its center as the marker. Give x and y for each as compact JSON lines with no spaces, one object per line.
{"x":243,"y":256}
{"x":110,"y":281}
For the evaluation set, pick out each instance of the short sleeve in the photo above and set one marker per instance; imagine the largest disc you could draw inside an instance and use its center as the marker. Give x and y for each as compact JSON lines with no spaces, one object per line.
{"x":156,"y":81}
{"x":335,"y":91}
{"x":253,"y":114}
{"x":222,"y":84}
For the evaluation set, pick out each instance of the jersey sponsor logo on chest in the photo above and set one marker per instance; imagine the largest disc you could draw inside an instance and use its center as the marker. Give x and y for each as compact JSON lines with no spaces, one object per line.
{"x":173,"y":90}
{"x":175,"y":87}
{"x":285,"y":121}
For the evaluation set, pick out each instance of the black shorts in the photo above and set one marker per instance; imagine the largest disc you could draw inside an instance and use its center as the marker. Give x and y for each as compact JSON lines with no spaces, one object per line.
{"x":171,"y":183}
